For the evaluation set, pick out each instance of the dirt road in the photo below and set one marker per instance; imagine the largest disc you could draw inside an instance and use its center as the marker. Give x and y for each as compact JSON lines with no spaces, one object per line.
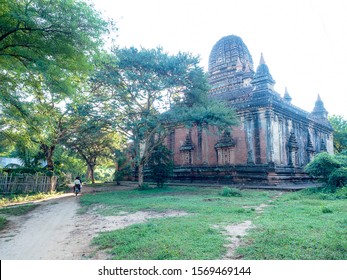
{"x":44,"y":233}
{"x":53,"y":231}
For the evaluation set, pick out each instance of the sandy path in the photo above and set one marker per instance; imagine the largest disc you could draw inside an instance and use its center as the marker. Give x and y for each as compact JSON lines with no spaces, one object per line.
{"x":53,"y":231}
{"x":43,"y":233}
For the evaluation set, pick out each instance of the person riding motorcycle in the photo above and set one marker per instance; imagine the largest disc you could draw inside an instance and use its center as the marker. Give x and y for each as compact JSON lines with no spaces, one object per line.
{"x":78,"y":185}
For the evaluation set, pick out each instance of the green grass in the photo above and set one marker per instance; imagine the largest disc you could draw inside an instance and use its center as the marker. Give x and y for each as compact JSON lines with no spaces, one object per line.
{"x":18,"y":210}
{"x":306,"y":225}
{"x":3,"y":222}
{"x":16,"y":198}
{"x":309,"y":224}
{"x":189,"y":237}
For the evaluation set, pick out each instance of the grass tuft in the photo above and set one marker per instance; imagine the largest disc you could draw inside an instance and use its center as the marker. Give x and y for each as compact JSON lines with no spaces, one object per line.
{"x":228,"y":192}
{"x":3,"y":222}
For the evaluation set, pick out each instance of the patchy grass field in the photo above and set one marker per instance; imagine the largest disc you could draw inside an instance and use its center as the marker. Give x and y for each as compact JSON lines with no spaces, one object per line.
{"x":301,"y":225}
{"x":304,"y":225}
{"x":193,"y":236}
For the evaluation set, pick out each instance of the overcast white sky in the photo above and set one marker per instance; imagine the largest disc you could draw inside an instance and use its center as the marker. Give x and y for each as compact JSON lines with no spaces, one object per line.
{"x":304,"y":42}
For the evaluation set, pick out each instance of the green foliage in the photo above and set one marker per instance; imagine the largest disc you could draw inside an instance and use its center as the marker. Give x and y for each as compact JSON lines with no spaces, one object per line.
{"x":322,"y":166}
{"x":93,"y":139}
{"x":342,"y":158}
{"x":341,"y":193}
{"x":228,"y":192}
{"x":327,"y":210}
{"x":45,"y":41}
{"x":331,"y":169}
{"x":122,"y":165}
{"x":148,"y":92}
{"x":67,"y":164}
{"x":338,"y":178}
{"x":160,"y":165}
{"x":339,"y":125}
{"x":46,"y":51}
{"x":27,"y":170}
{"x":144,"y":186}
{"x":104,"y":174}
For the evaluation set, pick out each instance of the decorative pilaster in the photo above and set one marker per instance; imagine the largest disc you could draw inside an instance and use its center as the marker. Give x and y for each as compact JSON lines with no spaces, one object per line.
{"x":186,"y":149}
{"x":280,"y":137}
{"x":225,"y":149}
{"x":309,"y":148}
{"x":269,"y":137}
{"x":293,"y":150}
{"x":249,"y":135}
{"x":199,"y":150}
{"x":323,"y":146}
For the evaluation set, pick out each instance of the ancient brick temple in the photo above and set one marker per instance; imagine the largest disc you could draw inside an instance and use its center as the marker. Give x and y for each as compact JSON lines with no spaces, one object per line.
{"x":274,"y":139}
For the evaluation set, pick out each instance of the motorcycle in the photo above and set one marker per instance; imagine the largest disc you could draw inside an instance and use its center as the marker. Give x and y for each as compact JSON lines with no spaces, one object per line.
{"x":77,"y":190}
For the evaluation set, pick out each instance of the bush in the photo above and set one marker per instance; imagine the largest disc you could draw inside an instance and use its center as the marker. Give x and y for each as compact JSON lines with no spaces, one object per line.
{"x":144,"y":186}
{"x":322,"y":166}
{"x":338,"y":178}
{"x":160,"y":165}
{"x":326,"y":210}
{"x":228,"y":192}
{"x":341,"y":193}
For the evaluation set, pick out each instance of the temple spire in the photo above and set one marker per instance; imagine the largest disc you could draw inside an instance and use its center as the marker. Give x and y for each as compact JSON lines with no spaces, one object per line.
{"x":319,"y":110}
{"x":262,"y":61}
{"x":286,"y":96}
{"x":262,"y":78}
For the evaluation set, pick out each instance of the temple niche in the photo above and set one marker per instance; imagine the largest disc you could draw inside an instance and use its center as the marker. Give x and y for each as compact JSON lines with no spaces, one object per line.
{"x":274,"y":139}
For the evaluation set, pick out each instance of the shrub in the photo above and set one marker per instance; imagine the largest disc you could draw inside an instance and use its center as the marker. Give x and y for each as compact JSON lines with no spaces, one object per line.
{"x":326,"y":210}
{"x":160,"y":165}
{"x":144,"y":186}
{"x":338,"y":178}
{"x":341,"y":193}
{"x":322,"y":166}
{"x":226,"y":191}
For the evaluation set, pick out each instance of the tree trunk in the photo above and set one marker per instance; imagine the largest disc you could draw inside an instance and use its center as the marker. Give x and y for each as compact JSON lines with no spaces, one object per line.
{"x":90,"y":172}
{"x":48,"y":152}
{"x":140,"y":174}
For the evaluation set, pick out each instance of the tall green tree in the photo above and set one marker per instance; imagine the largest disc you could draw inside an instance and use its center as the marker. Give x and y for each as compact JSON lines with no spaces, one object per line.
{"x":93,"y":140}
{"x":44,"y":41}
{"x":45,"y":56}
{"x":160,"y":165}
{"x":339,"y":125}
{"x":147,"y":92}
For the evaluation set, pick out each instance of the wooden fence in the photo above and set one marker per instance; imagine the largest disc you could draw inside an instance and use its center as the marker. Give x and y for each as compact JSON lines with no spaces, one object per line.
{"x":26,"y":183}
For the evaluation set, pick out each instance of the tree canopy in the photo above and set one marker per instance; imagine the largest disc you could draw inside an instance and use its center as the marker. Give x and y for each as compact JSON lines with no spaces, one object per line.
{"x":46,"y":55}
{"x":43,"y":42}
{"x":339,"y":125}
{"x":149,"y":92}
